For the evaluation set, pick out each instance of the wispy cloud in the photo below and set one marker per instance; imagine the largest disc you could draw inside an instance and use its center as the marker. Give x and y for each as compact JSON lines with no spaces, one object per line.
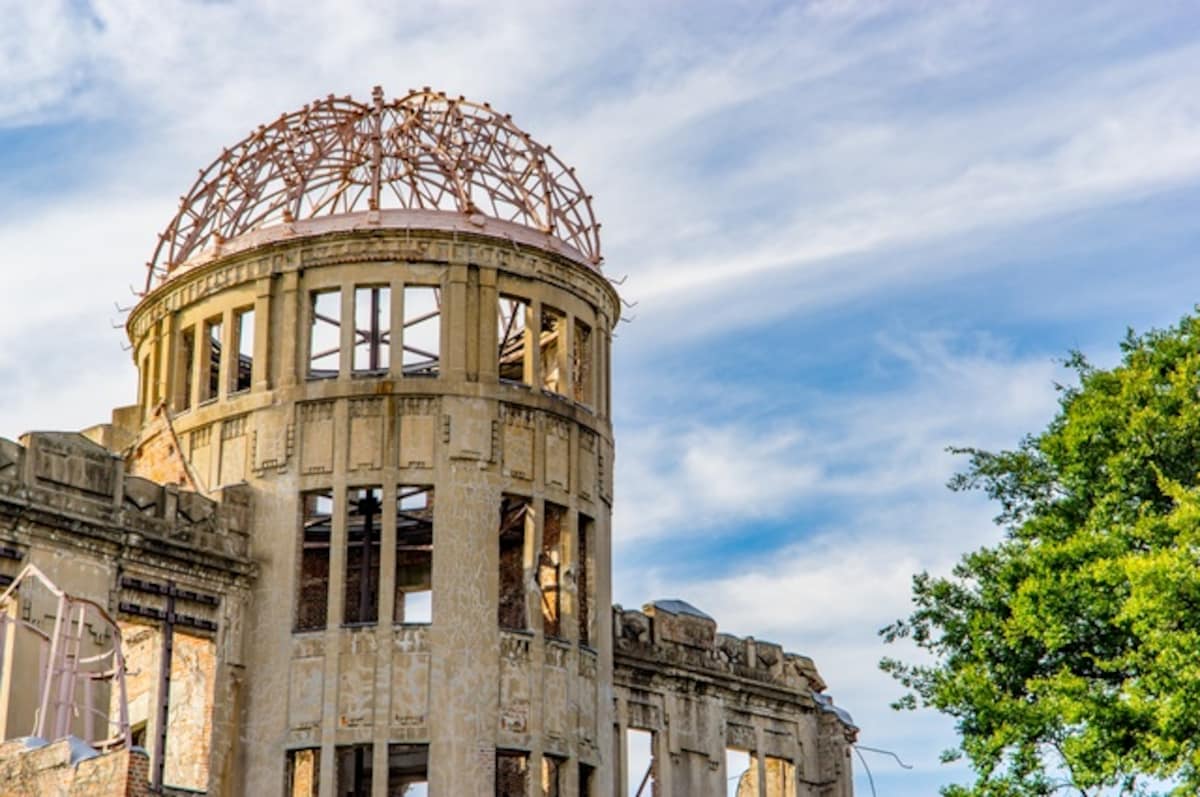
{"x":681,"y":475}
{"x":752,"y":165}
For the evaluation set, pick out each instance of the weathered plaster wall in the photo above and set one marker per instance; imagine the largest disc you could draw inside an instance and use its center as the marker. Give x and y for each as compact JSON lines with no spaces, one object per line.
{"x":49,"y":770}
{"x":700,"y":693}
{"x":69,"y":506}
{"x":460,"y":685}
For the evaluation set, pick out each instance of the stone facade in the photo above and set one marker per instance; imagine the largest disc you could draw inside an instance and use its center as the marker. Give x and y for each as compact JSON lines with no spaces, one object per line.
{"x":375,"y":461}
{"x":59,"y":769}
{"x":701,"y":694}
{"x":71,"y":508}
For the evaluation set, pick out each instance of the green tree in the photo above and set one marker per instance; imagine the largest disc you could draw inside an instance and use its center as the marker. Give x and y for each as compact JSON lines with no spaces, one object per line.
{"x":1069,"y":653}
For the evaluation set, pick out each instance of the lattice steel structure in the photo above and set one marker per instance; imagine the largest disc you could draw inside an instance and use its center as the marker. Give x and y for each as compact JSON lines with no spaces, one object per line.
{"x":336,"y":156}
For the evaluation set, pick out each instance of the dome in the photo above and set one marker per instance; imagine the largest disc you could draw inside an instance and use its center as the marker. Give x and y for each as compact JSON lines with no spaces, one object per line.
{"x":459,"y":164}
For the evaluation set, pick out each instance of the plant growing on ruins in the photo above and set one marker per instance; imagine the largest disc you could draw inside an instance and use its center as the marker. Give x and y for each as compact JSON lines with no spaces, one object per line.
{"x":1069,"y":653}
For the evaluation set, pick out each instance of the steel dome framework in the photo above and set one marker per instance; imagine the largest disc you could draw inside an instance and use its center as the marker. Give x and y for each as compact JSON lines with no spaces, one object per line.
{"x":425,"y":151}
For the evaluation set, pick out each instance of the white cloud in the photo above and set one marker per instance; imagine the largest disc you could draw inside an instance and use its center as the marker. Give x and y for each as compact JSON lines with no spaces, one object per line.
{"x":872,"y":466}
{"x":684,"y":476}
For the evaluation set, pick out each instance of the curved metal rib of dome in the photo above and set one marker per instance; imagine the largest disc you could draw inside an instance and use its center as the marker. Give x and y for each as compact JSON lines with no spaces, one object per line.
{"x":336,"y":156}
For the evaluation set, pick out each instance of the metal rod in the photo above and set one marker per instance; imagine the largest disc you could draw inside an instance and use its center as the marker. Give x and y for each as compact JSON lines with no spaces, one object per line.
{"x":373,"y":346}
{"x":164,"y":688}
{"x":39,"y":729}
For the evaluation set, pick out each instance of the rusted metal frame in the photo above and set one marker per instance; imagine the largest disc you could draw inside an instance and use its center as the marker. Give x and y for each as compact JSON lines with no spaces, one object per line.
{"x":433,"y":357}
{"x":423,"y":317}
{"x":170,"y":619}
{"x":465,"y":147}
{"x":159,"y":766}
{"x":65,"y":665}
{"x":645,"y":779}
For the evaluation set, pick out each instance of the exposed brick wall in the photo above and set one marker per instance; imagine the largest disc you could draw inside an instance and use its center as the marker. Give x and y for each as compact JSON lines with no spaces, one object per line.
{"x":48,"y":770}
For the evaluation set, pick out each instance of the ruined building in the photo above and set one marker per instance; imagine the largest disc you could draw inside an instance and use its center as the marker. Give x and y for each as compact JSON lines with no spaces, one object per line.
{"x":354,"y":537}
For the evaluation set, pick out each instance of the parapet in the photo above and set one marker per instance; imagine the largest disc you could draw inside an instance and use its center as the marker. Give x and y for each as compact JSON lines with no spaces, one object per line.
{"x":69,"y":767}
{"x":669,"y":634}
{"x":64,"y":480}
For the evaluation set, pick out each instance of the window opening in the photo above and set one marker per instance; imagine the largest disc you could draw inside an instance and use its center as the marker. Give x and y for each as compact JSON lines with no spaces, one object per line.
{"x":146,"y":408}
{"x":553,"y":768}
{"x":212,"y":358}
{"x":408,"y":770}
{"x":304,"y":772}
{"x":187,"y":360}
{"x":414,"y":555}
{"x":512,"y":773}
{"x":243,"y":328}
{"x":551,"y":344}
{"x":325,"y":334}
{"x":581,"y":364}
{"x":586,"y":775}
{"x":550,"y":570}
{"x":514,"y":364}
{"x":156,"y":367}
{"x":641,"y":769}
{"x":138,"y":735}
{"x":354,"y":770}
{"x":362,"y":555}
{"x":372,"y":329}
{"x":422,"y":331}
{"x":741,"y":776}
{"x":584,"y":579}
{"x":313,"y":587}
{"x":515,"y":519}
{"x":781,"y":777}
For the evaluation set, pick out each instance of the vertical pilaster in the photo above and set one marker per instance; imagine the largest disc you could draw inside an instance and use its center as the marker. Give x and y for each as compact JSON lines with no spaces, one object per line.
{"x":488,"y":326}
{"x":454,"y":330}
{"x":291,"y":333}
{"x":464,"y":682}
{"x":260,"y":373}
{"x":346,"y":332}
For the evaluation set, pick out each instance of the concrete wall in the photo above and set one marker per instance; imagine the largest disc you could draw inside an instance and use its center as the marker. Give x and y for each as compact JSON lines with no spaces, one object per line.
{"x":461,"y":684}
{"x":50,"y":770}
{"x":71,"y":508}
{"x":701,"y":694}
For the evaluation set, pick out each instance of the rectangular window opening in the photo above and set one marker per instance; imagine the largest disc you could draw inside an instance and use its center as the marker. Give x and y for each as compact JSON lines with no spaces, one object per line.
{"x":581,"y":364}
{"x":741,"y":775}
{"x":512,"y":773}
{"x":514,"y":363}
{"x":363,"y":515}
{"x":553,"y":769}
{"x":587,"y":775}
{"x":243,"y":328}
{"x":641,"y":768}
{"x":515,"y":520}
{"x":584,"y":578}
{"x":187,"y":360}
{"x":325,"y":334}
{"x":156,"y":367}
{"x":212,"y":358}
{"x":550,"y":570}
{"x":552,"y":345}
{"x":304,"y":772}
{"x":414,"y":555}
{"x":372,"y":329}
{"x":408,"y":770}
{"x":422,"y":338}
{"x":781,"y":777}
{"x":353,"y":770}
{"x":312,"y":598}
{"x":145,"y":374}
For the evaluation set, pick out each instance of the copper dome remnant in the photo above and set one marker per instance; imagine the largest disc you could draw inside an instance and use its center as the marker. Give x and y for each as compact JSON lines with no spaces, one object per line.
{"x":336,"y":156}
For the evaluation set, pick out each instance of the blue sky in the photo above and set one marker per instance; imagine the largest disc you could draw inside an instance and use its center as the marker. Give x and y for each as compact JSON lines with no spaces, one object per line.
{"x":856,"y":233}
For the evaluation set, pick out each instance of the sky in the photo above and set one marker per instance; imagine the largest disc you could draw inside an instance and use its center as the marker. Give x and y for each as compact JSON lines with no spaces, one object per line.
{"x":852,"y":234}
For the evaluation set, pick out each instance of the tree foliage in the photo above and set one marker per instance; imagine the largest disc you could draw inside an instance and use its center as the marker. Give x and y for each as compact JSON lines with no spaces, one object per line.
{"x":1069,"y":653}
